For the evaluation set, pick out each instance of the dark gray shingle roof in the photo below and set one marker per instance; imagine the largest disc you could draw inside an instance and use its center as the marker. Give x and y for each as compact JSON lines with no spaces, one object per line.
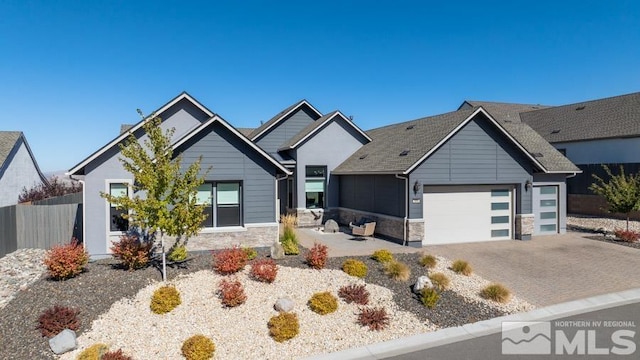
{"x":504,"y":111}
{"x":612,"y":117}
{"x":125,"y":127}
{"x":8,"y":140}
{"x":246,"y":131}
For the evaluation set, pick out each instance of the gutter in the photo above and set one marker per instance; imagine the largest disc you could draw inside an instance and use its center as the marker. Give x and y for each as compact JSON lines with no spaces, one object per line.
{"x":406,"y":208}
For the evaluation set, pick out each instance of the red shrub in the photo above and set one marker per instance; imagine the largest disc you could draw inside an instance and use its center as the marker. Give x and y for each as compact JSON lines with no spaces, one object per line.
{"x":264,"y":270}
{"x":354,"y":293}
{"x":231,"y":293}
{"x":115,"y":355}
{"x":374,"y":318}
{"x":229,"y":261}
{"x":53,"y":320}
{"x":133,"y":253}
{"x":317,"y":256}
{"x":627,"y":235}
{"x":66,"y":261}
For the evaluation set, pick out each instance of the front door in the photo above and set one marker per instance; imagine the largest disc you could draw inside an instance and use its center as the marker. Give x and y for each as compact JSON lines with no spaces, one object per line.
{"x":545,"y":209}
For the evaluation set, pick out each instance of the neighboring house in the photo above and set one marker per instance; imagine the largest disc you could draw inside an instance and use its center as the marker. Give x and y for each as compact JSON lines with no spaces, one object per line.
{"x":18,"y":167}
{"x":464,"y":176}
{"x":590,"y":133}
{"x":239,"y":192}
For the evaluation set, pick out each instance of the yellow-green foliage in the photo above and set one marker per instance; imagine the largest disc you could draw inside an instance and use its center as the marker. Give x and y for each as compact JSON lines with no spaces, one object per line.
{"x":440,"y":281}
{"x":198,"y":347}
{"x":397,"y":270}
{"x":461,"y":267}
{"x":323,"y":303}
{"x":93,"y":352}
{"x":289,"y":220}
{"x":429,"y":297}
{"x":428,"y":261}
{"x":355,"y":267}
{"x":178,"y":253}
{"x":284,"y":326}
{"x":165,"y":299}
{"x":251,"y":252}
{"x":289,"y":241}
{"x":496,"y":292}
{"x":382,"y":256}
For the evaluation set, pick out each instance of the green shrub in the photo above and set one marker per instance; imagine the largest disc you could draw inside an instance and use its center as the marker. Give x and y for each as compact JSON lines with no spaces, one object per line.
{"x":440,"y":281}
{"x":355,"y":267}
{"x":115,"y":355}
{"x":66,"y":261}
{"x":428,"y":261}
{"x":429,"y":297}
{"x":323,"y":303}
{"x":178,"y":253}
{"x":461,"y":267}
{"x":496,"y":292}
{"x":397,"y":270}
{"x":198,"y":347}
{"x":93,"y":352}
{"x":251,"y":252}
{"x":289,"y":241}
{"x":382,"y":256}
{"x":165,"y":299}
{"x":57,"y":318}
{"x":284,"y":326}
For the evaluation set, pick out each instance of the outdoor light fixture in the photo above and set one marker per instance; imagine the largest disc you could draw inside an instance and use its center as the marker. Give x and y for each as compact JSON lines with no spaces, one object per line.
{"x":528,"y":185}
{"x":416,"y":187}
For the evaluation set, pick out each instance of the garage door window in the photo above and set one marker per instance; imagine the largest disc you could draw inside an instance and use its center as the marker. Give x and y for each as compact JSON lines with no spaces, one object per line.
{"x":500,"y":213}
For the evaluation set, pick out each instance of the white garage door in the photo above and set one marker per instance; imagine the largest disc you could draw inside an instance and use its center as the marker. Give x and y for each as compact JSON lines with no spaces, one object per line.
{"x":457,"y":214}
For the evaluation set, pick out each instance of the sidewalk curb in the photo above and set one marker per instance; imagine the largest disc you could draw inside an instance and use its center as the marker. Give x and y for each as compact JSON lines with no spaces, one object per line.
{"x":482,"y":328}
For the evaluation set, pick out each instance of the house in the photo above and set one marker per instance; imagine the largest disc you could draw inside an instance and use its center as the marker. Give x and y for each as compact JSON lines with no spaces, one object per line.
{"x":590,"y":133}
{"x":463,"y":176}
{"x":18,"y":167}
{"x":239,"y":190}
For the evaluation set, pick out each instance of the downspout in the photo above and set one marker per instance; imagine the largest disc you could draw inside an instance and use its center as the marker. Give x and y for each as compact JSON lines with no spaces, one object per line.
{"x":406,"y":208}
{"x":83,"y":206}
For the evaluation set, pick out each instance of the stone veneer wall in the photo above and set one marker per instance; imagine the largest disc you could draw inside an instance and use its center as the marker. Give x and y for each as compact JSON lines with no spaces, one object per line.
{"x":593,"y":205}
{"x":307,"y":217}
{"x":385,"y":225}
{"x":524,"y":226}
{"x":252,"y":236}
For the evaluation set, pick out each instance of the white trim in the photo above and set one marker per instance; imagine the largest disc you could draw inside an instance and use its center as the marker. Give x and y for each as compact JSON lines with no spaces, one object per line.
{"x":223,"y":229}
{"x":235,"y":132}
{"x":107,"y":204}
{"x":465,"y":122}
{"x":325,"y":122}
{"x":125,"y":134}
{"x":303,"y":102}
{"x":255,"y":225}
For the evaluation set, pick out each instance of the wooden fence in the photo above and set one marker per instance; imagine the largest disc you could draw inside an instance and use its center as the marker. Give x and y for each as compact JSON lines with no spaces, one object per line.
{"x":38,"y":226}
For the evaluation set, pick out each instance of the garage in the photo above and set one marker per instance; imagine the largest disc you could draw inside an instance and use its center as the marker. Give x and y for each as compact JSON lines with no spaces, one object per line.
{"x":545,"y":210}
{"x":458,"y":214}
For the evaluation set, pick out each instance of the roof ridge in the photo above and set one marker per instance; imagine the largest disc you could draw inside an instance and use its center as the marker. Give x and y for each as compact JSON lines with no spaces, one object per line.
{"x":593,"y":100}
{"x":420,"y":119}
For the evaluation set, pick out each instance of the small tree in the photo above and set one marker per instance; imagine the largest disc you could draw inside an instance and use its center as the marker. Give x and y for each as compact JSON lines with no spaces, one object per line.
{"x":622,"y":192}
{"x":164,"y":200}
{"x":51,"y":188}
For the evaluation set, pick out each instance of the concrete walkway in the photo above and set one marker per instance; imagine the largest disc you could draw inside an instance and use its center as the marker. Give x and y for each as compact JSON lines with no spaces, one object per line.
{"x":551,"y":269}
{"x":343,"y":244}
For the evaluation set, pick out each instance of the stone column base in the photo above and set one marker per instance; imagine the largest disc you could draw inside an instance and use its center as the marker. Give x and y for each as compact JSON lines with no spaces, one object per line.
{"x":252,"y":235}
{"x":524,"y":226}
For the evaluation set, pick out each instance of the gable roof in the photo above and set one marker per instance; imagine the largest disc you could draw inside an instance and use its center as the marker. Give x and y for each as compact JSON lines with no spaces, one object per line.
{"x":245,"y":131}
{"x":9,"y":141}
{"x":279,"y":117}
{"x":315,"y":126}
{"x":503,"y":111}
{"x":613,"y":117}
{"x":224,"y":123}
{"x":124,"y":135}
{"x":400,"y":148}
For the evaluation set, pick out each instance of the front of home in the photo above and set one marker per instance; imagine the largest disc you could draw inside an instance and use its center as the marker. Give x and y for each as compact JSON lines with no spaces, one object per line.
{"x":457,"y":177}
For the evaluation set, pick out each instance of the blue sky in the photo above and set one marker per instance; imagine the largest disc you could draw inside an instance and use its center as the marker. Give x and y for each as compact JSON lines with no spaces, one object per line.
{"x":72,"y":71}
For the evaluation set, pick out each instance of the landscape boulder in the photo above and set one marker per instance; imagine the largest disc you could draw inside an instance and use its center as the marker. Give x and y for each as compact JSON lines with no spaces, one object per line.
{"x":421,"y":283}
{"x":277,"y":251}
{"x":284,"y":304}
{"x":331,"y":226}
{"x":63,"y":342}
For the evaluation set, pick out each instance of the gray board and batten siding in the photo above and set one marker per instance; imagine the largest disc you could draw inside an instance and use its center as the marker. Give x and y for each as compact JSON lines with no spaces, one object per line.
{"x":380,"y":194}
{"x":477,"y":154}
{"x":226,"y":157}
{"x":287,"y":128}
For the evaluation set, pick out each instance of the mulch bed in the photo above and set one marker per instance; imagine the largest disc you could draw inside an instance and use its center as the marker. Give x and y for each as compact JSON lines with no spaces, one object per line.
{"x":94,"y":291}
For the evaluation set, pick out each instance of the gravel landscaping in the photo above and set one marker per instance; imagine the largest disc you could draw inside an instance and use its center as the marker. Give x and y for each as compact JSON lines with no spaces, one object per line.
{"x":117,"y":303}
{"x":602,"y":227}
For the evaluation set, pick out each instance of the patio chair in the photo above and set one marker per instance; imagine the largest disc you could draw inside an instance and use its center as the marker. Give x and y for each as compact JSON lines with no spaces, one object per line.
{"x":364,"y":230}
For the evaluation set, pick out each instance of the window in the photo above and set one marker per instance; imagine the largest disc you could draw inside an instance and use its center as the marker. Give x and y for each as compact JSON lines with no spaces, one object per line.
{"x":314,"y":186}
{"x":117,"y":222}
{"x":224,"y":208}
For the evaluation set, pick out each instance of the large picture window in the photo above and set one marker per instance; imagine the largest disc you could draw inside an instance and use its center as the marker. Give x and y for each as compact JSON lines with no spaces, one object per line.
{"x":315,"y":186}
{"x":117,"y":221}
{"x":222,"y":203}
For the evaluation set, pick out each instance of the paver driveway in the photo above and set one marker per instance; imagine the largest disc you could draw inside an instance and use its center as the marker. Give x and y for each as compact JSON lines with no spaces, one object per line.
{"x":551,"y":269}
